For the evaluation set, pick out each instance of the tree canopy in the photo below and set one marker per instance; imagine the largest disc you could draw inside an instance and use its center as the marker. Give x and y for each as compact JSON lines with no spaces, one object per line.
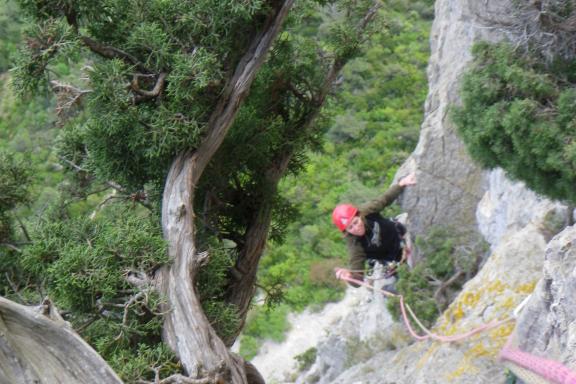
{"x":174,"y":132}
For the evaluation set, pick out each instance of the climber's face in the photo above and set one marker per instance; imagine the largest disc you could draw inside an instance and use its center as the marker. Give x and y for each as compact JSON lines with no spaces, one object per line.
{"x":356,"y":227}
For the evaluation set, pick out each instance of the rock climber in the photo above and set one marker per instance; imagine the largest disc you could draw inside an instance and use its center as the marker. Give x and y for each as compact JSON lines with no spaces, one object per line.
{"x":370,"y":236}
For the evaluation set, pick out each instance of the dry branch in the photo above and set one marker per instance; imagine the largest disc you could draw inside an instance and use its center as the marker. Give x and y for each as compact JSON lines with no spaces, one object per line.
{"x":158,"y":87}
{"x":68,"y":99}
{"x":36,"y":348}
{"x":110,"y":52}
{"x":445,"y":285}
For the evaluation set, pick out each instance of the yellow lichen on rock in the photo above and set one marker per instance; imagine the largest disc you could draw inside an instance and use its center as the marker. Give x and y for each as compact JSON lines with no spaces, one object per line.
{"x":466,"y":366}
{"x":496,"y":286}
{"x":470,"y":298}
{"x":527,"y":288}
{"x":426,"y":356}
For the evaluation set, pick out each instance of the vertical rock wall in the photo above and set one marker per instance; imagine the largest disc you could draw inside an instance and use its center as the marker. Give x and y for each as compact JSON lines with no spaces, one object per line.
{"x":507,"y":207}
{"x":450,"y":185}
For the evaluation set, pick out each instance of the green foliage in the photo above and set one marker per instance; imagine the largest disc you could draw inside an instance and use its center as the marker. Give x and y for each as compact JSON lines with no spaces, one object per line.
{"x":432,"y":284}
{"x":270,"y":126}
{"x":129,"y":365}
{"x":280,"y":123}
{"x":418,"y":293}
{"x":517,"y":113}
{"x":27,"y":128}
{"x":98,"y":270}
{"x":25,"y":185}
{"x":86,"y":261}
{"x":212,"y":283}
{"x":342,"y":36}
{"x":306,"y":359}
{"x":15,"y":179}
{"x":45,"y":41}
{"x":10,"y":29}
{"x":263,"y":324}
{"x":128,"y":137}
{"x":15,"y":182}
{"x":132,"y":351}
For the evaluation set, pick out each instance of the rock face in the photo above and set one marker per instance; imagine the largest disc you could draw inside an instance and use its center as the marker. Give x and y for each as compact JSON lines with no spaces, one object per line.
{"x":547,"y":325}
{"x":492,"y":295}
{"x":450,"y":185}
{"x":507,"y":207}
{"x":518,"y":224}
{"x":277,"y":361}
{"x":362,"y":331}
{"x":354,"y":328}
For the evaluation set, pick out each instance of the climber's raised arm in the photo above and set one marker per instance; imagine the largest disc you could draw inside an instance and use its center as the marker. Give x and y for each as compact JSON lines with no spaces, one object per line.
{"x":388,"y":197}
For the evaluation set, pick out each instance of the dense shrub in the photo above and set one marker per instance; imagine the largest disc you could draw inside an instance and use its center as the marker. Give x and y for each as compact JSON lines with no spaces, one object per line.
{"x":519,"y":113}
{"x":96,"y":270}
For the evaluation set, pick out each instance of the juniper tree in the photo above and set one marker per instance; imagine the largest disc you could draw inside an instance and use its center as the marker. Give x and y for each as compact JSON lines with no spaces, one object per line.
{"x":518,"y":113}
{"x":167,"y":123}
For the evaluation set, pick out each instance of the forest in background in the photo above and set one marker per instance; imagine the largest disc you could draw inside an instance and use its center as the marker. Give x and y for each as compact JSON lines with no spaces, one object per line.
{"x":375,"y":126}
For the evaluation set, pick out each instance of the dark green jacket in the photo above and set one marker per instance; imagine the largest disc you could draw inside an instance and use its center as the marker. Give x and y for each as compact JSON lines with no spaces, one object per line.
{"x":356,"y":251}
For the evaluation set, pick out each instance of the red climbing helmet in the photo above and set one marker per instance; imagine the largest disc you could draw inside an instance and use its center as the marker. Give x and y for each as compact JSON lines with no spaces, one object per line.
{"x":342,"y":214}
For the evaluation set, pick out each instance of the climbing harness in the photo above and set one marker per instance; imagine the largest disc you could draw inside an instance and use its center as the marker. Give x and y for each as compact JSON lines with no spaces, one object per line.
{"x":389,"y":269}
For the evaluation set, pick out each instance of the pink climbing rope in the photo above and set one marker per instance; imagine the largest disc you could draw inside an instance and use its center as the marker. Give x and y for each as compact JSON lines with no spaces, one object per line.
{"x":550,"y":370}
{"x":404,"y":308}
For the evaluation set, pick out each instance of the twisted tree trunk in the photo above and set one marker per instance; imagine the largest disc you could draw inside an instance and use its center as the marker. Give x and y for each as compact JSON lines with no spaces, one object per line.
{"x":241,"y":291}
{"x":187,"y":329}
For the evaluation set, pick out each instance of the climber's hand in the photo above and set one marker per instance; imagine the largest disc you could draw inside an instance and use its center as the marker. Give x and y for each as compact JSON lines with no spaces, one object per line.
{"x":342,"y":273}
{"x":408,"y":180}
